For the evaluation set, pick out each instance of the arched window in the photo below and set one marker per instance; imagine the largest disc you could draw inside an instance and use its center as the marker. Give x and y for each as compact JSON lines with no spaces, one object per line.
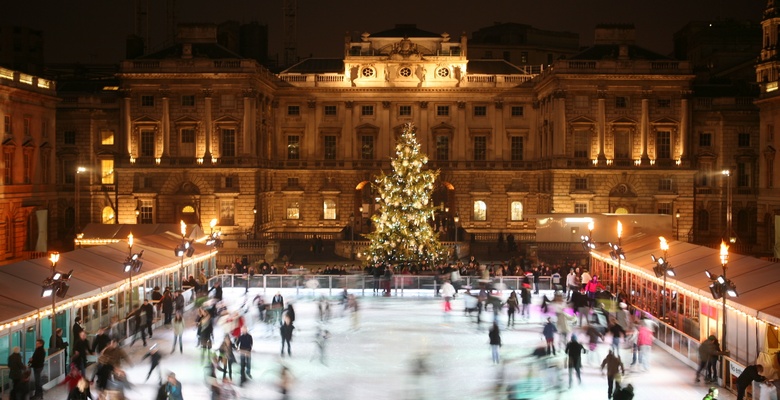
{"x":107,"y":215}
{"x":516,"y":211}
{"x":329,"y":209}
{"x":621,"y":210}
{"x":703,"y":221}
{"x":480,"y":211}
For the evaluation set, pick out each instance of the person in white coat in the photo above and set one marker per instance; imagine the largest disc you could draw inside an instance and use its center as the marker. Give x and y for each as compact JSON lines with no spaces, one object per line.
{"x":447,"y":291}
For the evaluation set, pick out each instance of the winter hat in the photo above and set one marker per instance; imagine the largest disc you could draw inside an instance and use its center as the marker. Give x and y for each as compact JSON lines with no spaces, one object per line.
{"x":623,"y":305}
{"x":573,"y":338}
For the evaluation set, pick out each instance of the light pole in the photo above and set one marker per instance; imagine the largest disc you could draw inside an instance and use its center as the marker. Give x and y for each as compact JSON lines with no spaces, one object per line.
{"x":618,"y":255}
{"x":456,"y":218}
{"x":137,"y":215}
{"x":663,"y":268}
{"x":185,"y":248}
{"x":55,"y":286}
{"x":254,"y":222}
{"x":588,"y":243}
{"x":352,"y":235}
{"x":730,"y":236}
{"x":214,"y":239}
{"x":722,"y":286}
{"x":677,"y":218}
{"x":131,"y":265}
{"x":77,"y":201}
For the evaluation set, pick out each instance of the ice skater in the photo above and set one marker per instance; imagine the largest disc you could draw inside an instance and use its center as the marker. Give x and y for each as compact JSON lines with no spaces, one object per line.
{"x":321,"y":340}
{"x":154,"y":357}
{"x":286,"y":330}
{"x":495,"y":342}
{"x":574,"y":349}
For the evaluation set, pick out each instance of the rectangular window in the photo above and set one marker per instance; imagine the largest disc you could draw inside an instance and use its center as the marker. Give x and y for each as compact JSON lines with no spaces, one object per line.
{"x":622,"y":145}
{"x":480,"y":148}
{"x":329,"y":147}
{"x":293,"y":111}
{"x":147,"y":101}
{"x":367,"y":147}
{"x":147,"y":144}
{"x":293,"y":210}
{"x":404,"y":111}
{"x":665,"y":208}
{"x":293,"y":147}
{"x":27,"y":159}
{"x":664,"y":185}
{"x":443,"y":111}
{"x":743,"y":175}
{"x":228,"y":182}
{"x":743,"y":140}
{"x":8,"y":164}
{"x":228,"y":144}
{"x":293,"y":183}
{"x":188,"y":135}
{"x":517,"y":111}
{"x":7,"y":124}
{"x":227,"y":212}
{"x":621,"y":102}
{"x":705,"y":139}
{"x":329,"y":209}
{"x":188,"y":100}
{"x":330,"y":111}
{"x":516,"y":211}
{"x":663,"y":145}
{"x":581,"y":101}
{"x":480,"y":211}
{"x":107,"y":172}
{"x":147,"y":212}
{"x":26,"y":126}
{"x":581,"y":144}
{"x":664,"y":103}
{"x":517,"y":148}
{"x":770,"y":133}
{"x":45,"y":128}
{"x":227,"y":101}
{"x":523,"y":57}
{"x":107,"y":138}
{"x":580,"y":208}
{"x":366,"y":111}
{"x":69,"y":138}
{"x":442,"y":147}
{"x":580,"y":183}
{"x":69,"y":172}
{"x":480,"y":111}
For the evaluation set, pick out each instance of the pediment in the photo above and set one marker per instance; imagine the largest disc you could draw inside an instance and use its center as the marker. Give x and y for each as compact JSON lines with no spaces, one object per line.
{"x":582,"y":120}
{"x":367,"y":128}
{"x":227,"y":119}
{"x":442,"y":127}
{"x":145,"y":119}
{"x":623,"y":121}
{"x":186,"y":120}
{"x":664,"y":121}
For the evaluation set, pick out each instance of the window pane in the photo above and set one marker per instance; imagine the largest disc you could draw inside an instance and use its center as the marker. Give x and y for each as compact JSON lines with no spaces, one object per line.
{"x":663,"y":147}
{"x":106,"y":138}
{"x":622,"y":145}
{"x":517,"y":148}
{"x":147,"y":144}
{"x":228,"y":143}
{"x":329,"y":209}
{"x":107,"y":172}
{"x":147,"y":211}
{"x":293,"y":211}
{"x":367,"y":147}
{"x":581,"y":144}
{"x":329,"y":146}
{"x":442,"y":147}
{"x":480,"y":148}
{"x":293,"y":147}
{"x":517,"y":211}
{"x":480,"y":211}
{"x":227,"y":212}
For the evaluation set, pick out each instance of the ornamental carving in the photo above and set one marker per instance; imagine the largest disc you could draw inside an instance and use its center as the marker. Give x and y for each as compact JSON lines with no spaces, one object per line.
{"x":405,"y":50}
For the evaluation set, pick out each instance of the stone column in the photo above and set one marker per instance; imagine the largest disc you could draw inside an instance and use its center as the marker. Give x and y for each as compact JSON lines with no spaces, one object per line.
{"x":644,"y":127}
{"x":683,"y":126}
{"x":559,"y":129}
{"x":207,"y":125}
{"x":166,"y":122}
{"x":128,"y":123}
{"x":602,"y":126}
{"x":246,"y":122}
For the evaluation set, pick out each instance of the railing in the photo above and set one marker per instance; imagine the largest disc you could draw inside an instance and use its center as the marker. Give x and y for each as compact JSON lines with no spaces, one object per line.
{"x":304,"y":284}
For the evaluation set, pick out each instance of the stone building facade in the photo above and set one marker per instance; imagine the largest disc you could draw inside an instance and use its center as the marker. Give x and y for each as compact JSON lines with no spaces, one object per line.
{"x":27,"y":183}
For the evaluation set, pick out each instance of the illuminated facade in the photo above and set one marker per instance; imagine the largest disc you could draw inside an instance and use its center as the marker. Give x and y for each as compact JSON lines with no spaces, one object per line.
{"x":28,"y":215}
{"x":202,"y":133}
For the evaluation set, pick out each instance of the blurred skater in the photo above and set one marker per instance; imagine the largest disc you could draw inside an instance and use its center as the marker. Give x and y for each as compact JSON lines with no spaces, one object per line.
{"x":495,"y":342}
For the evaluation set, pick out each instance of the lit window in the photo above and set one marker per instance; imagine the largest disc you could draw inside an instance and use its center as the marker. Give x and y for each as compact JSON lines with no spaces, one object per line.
{"x":227,"y":211}
{"x":516,"y":210}
{"x":293,"y":210}
{"x":108,"y":215}
{"x":329,"y":209}
{"x":480,"y":211}
{"x":107,"y":138}
{"x":147,"y":212}
{"x":107,"y":172}
{"x":580,"y":208}
{"x":293,"y":147}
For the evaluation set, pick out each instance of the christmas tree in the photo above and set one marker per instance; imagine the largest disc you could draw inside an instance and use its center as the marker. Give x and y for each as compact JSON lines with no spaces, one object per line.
{"x":403,"y":230}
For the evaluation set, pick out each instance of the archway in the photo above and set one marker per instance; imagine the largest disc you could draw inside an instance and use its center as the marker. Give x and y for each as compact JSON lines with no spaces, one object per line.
{"x":189,"y":215}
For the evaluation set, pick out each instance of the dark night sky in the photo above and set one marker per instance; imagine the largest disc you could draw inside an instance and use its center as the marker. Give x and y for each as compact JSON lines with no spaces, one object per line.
{"x":90,"y":31}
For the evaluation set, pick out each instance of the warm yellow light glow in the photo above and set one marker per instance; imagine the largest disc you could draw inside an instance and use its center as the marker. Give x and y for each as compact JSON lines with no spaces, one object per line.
{"x":724,"y":253}
{"x":130,"y":240}
{"x":620,"y":230}
{"x":213,"y":223}
{"x":54,"y":257}
{"x":664,"y":245}
{"x":183,"y":228}
{"x":590,"y":225}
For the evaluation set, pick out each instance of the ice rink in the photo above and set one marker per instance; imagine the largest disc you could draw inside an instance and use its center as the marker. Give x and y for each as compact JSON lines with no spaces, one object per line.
{"x":403,"y":347}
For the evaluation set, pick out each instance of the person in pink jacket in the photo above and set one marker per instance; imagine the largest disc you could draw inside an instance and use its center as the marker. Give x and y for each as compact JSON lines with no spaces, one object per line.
{"x":645,"y":342}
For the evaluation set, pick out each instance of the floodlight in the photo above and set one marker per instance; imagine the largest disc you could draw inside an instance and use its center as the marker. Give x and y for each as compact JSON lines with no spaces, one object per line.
{"x":652,"y":257}
{"x":47,"y":291}
{"x":57,"y":276}
{"x":709,"y":274}
{"x":715,"y":290}
{"x":670,"y":272}
{"x":732,"y":291}
{"x":128,"y":266}
{"x":721,"y":280}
